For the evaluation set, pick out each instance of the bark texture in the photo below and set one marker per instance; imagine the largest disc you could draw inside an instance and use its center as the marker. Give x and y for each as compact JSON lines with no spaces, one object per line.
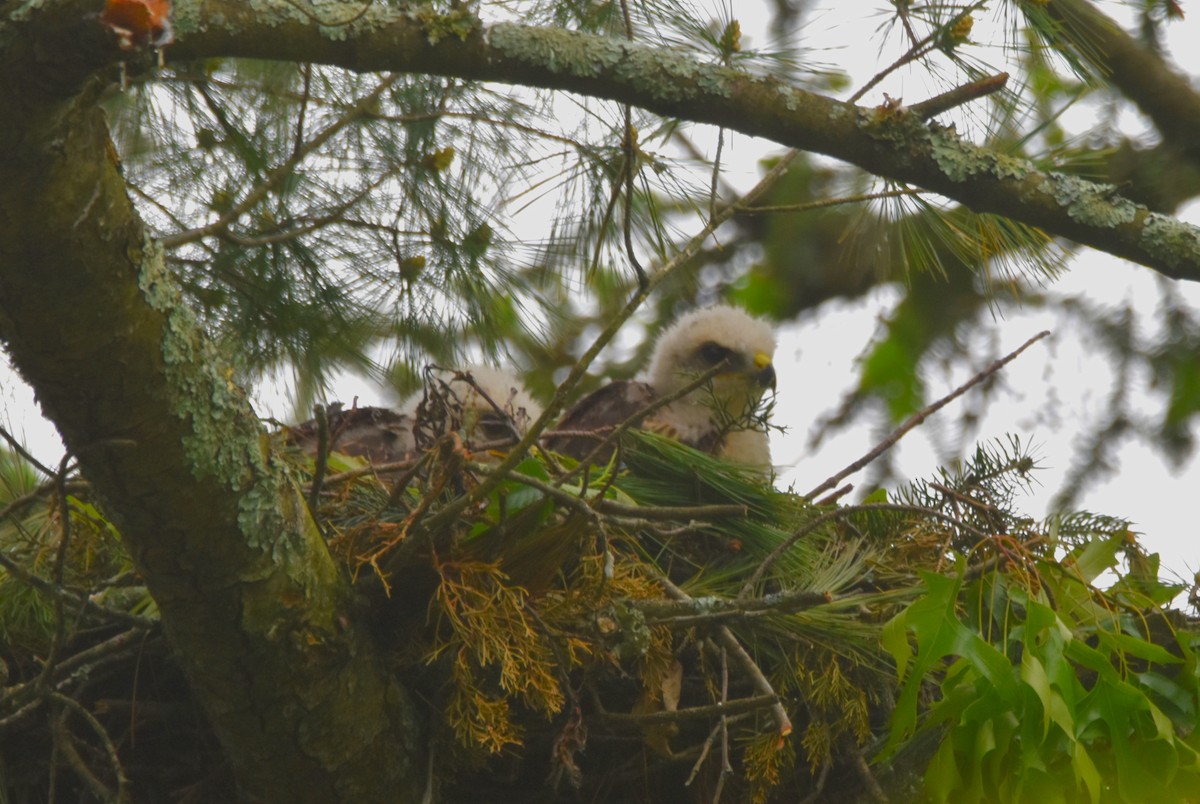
{"x":255,"y":607}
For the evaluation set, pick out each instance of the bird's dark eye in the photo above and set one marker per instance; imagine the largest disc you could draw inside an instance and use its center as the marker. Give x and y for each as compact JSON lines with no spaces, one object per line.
{"x":713,"y":353}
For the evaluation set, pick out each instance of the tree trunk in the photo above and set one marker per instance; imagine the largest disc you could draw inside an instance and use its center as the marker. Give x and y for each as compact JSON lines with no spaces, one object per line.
{"x":257,"y":611}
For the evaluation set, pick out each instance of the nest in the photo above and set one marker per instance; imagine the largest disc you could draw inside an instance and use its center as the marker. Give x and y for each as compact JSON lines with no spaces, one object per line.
{"x":663,"y":627}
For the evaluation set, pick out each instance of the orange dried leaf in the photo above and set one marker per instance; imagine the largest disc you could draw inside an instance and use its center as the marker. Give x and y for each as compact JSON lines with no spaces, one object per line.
{"x":138,"y":23}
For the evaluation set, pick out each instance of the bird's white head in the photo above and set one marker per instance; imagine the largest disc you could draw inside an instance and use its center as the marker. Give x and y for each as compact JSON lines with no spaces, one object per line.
{"x":744,"y":347}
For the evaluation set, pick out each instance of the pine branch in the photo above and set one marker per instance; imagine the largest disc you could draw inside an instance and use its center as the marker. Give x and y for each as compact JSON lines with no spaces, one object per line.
{"x":889,"y":143}
{"x":1165,"y":96}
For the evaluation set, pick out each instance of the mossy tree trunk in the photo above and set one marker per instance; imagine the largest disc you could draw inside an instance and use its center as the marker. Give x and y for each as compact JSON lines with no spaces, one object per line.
{"x":257,"y":611}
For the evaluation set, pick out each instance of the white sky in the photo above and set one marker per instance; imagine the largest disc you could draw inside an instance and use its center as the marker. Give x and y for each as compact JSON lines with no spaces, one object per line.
{"x":816,"y":362}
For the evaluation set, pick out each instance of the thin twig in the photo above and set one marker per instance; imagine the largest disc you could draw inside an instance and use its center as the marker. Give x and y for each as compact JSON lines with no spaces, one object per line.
{"x":372,"y":469}
{"x":958,"y":96}
{"x":692,"y":712}
{"x":726,"y":767}
{"x":60,"y":562}
{"x":593,"y":505}
{"x":673,"y":512}
{"x":918,"y":49}
{"x":782,"y":722}
{"x":98,"y":788}
{"x":629,"y":146}
{"x":834,"y":496}
{"x":705,"y":748}
{"x":716,"y":172}
{"x":283,"y":170}
{"x":70,"y":672}
{"x":16,"y":447}
{"x":923,"y":414}
{"x":711,"y":609}
{"x":859,"y":762}
{"x":16,"y":570}
{"x":25,"y":500}
{"x":823,"y":203}
{"x":305,"y":94}
{"x":819,"y":787}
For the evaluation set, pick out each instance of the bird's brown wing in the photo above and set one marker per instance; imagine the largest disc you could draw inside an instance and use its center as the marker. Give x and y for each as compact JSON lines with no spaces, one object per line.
{"x":593,"y":418}
{"x":378,"y":434}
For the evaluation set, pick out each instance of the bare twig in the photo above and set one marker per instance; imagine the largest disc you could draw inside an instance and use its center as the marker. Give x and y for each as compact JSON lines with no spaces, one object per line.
{"x":919,"y":49}
{"x":782,"y":722}
{"x":711,"y":609}
{"x":23,"y":575}
{"x":834,"y":496}
{"x":645,"y":512}
{"x":19,"y":504}
{"x":24,"y":699}
{"x":864,"y":772}
{"x":692,"y":712}
{"x":705,"y":748}
{"x":371,"y":469}
{"x":958,"y":96}
{"x":824,"y":203}
{"x":60,"y":562}
{"x":726,"y":767}
{"x":305,"y":95}
{"x":16,"y":447}
{"x":923,"y":414}
{"x":283,"y":170}
{"x":76,"y":762}
{"x":673,"y":512}
{"x":629,"y":146}
{"x":819,"y":787}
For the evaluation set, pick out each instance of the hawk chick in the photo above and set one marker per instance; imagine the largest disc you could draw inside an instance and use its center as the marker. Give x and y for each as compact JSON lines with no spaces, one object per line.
{"x":718,"y":417}
{"x":488,"y":407}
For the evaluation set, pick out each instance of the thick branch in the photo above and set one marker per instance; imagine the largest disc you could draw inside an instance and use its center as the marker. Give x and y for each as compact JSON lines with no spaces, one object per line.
{"x":886,"y":142}
{"x":1162,"y":93}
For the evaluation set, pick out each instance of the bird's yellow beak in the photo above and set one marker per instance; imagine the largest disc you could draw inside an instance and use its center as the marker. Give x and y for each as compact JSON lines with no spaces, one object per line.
{"x":766,"y":372}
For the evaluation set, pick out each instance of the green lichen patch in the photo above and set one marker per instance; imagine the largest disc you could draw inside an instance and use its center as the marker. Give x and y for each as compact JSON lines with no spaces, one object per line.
{"x":1169,"y":240}
{"x":201,"y":385}
{"x":960,"y":160}
{"x":664,"y":74}
{"x":1089,"y":203}
{"x":459,"y":23}
{"x":557,"y":50}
